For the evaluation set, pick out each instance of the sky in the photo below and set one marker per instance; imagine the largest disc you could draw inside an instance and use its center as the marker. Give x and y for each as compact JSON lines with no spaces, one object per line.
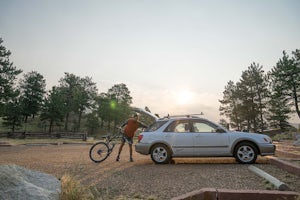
{"x":175,"y":56}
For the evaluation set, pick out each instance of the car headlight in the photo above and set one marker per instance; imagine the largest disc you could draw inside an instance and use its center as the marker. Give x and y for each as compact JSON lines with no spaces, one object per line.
{"x":268,"y":140}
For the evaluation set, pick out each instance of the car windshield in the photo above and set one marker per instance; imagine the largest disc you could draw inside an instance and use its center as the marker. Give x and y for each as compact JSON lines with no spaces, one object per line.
{"x":156,"y":125}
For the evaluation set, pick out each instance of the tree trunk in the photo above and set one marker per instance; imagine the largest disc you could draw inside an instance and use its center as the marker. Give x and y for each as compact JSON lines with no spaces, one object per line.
{"x":296,"y":100}
{"x":67,"y":121}
{"x":79,"y":120}
{"x":102,"y":123}
{"x":50,"y":126}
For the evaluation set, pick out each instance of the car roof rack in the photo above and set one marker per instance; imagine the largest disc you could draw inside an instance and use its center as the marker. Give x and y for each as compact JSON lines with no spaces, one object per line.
{"x":186,"y":115}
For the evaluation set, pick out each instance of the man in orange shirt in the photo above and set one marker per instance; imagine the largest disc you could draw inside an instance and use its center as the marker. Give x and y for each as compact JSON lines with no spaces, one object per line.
{"x":131,"y":126}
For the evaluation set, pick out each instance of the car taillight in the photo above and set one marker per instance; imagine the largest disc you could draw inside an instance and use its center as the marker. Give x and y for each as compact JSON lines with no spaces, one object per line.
{"x":140,"y":137}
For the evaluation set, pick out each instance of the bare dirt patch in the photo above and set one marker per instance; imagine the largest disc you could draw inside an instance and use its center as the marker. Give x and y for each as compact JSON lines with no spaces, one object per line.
{"x":286,"y":149}
{"x":140,"y":179}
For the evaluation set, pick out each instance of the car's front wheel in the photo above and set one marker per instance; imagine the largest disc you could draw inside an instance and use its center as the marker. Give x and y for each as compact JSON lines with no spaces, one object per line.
{"x":246,"y":153}
{"x":160,"y":154}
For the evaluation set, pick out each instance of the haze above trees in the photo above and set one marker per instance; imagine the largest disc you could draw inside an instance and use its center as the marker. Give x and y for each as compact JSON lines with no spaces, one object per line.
{"x":258,"y":101}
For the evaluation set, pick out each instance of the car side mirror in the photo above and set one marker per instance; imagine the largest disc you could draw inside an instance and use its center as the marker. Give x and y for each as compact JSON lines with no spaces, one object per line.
{"x":219,"y":130}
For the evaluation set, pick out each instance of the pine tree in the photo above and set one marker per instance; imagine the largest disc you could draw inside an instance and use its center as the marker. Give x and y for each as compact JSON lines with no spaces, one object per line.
{"x":285,"y":89}
{"x":8,"y":76}
{"x":230,"y":104}
{"x":53,"y":109}
{"x":32,"y":93}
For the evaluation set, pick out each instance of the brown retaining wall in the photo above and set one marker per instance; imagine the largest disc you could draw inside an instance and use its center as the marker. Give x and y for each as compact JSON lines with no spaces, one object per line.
{"x":287,"y":166}
{"x":226,"y":194}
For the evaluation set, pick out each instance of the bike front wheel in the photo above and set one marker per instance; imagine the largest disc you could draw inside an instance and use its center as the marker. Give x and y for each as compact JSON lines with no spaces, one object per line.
{"x":99,"y":152}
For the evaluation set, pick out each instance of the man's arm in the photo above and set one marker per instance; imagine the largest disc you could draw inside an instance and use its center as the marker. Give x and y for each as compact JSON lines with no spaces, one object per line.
{"x":141,"y":125}
{"x":124,"y":124}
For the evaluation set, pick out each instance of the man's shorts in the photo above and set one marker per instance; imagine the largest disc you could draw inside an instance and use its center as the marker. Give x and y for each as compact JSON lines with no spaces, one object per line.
{"x":126,"y":139}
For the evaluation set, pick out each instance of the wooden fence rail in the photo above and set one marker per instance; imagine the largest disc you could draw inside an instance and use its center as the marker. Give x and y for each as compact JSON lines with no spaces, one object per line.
{"x":41,"y":135}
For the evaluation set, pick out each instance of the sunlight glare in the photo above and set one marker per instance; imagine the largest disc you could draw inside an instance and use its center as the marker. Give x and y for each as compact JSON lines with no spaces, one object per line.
{"x":184,"y":97}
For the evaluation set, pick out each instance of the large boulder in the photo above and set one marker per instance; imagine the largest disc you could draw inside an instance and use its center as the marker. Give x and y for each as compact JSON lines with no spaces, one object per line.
{"x":20,"y":183}
{"x":297,"y":142}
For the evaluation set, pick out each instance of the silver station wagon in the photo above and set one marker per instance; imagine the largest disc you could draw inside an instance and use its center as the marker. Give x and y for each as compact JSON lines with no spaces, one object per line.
{"x":191,"y":136}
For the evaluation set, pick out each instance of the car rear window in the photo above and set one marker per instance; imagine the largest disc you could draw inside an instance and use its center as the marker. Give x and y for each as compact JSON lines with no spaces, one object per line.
{"x":156,"y":125}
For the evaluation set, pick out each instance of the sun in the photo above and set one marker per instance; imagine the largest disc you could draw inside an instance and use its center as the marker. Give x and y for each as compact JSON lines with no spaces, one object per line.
{"x":184,"y":97}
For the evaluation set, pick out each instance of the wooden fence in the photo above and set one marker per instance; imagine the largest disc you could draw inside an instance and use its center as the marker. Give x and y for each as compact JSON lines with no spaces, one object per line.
{"x":41,"y":135}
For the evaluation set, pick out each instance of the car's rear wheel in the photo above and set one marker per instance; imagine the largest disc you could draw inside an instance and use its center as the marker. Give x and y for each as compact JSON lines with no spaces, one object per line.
{"x":246,"y":153}
{"x":160,"y":154}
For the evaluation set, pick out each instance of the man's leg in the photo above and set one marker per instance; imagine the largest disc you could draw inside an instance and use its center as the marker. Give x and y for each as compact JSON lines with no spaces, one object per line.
{"x":130,"y":152}
{"x":120,"y":150}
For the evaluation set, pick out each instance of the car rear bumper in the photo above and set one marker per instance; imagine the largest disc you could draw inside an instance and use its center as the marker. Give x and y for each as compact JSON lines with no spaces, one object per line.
{"x":267,"y":149}
{"x":142,"y":148}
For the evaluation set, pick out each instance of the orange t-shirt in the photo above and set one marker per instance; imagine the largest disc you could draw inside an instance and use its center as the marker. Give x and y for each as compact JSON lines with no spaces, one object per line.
{"x":131,"y":127}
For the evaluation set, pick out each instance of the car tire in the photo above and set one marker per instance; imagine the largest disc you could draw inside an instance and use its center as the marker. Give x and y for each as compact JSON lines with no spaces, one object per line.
{"x":160,"y":154}
{"x":245,"y":153}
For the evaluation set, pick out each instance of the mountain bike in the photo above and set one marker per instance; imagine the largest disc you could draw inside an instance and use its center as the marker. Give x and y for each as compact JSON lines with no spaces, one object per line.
{"x":101,"y":150}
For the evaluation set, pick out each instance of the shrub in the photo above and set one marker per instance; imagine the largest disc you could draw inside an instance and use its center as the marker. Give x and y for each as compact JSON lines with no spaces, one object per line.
{"x":284,"y":136}
{"x":72,"y":189}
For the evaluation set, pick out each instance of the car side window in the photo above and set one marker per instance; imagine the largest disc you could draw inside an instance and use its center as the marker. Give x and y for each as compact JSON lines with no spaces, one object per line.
{"x":178,"y":127}
{"x":155,"y":126}
{"x":201,"y":127}
{"x":182,"y":128}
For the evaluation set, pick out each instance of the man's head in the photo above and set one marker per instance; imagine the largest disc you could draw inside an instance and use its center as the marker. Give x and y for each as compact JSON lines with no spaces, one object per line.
{"x":136,"y":116}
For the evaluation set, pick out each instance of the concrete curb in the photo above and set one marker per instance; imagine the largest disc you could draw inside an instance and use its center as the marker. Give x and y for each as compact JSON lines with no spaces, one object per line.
{"x":226,"y":194}
{"x":287,"y":166}
{"x":277,"y":183}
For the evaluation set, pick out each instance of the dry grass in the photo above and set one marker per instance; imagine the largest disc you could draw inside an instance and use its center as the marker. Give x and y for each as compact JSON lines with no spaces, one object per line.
{"x":72,"y":189}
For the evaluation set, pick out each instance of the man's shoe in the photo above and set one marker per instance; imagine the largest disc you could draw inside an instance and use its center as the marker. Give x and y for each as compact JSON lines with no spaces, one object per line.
{"x":131,"y":160}
{"x":118,"y":158}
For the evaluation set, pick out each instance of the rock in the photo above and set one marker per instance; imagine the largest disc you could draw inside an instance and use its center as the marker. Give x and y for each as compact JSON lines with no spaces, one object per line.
{"x":20,"y":183}
{"x":296,"y":143}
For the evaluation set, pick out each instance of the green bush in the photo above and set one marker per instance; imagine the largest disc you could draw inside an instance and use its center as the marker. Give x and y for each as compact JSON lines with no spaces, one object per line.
{"x":284,"y":136}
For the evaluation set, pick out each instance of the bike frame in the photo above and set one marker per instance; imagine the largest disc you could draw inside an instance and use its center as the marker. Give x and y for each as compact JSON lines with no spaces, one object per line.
{"x":102,"y":149}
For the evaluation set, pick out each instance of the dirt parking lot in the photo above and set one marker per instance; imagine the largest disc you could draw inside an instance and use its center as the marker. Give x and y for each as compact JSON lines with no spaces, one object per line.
{"x":141,"y":179}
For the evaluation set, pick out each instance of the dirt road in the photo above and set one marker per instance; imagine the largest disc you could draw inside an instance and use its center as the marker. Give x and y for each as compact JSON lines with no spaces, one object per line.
{"x":140,"y":179}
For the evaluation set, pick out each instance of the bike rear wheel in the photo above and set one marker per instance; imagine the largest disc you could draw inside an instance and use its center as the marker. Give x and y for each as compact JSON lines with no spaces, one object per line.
{"x":99,"y":152}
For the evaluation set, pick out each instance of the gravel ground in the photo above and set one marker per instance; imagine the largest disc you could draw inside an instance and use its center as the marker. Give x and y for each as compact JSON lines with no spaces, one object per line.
{"x":142,"y":179}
